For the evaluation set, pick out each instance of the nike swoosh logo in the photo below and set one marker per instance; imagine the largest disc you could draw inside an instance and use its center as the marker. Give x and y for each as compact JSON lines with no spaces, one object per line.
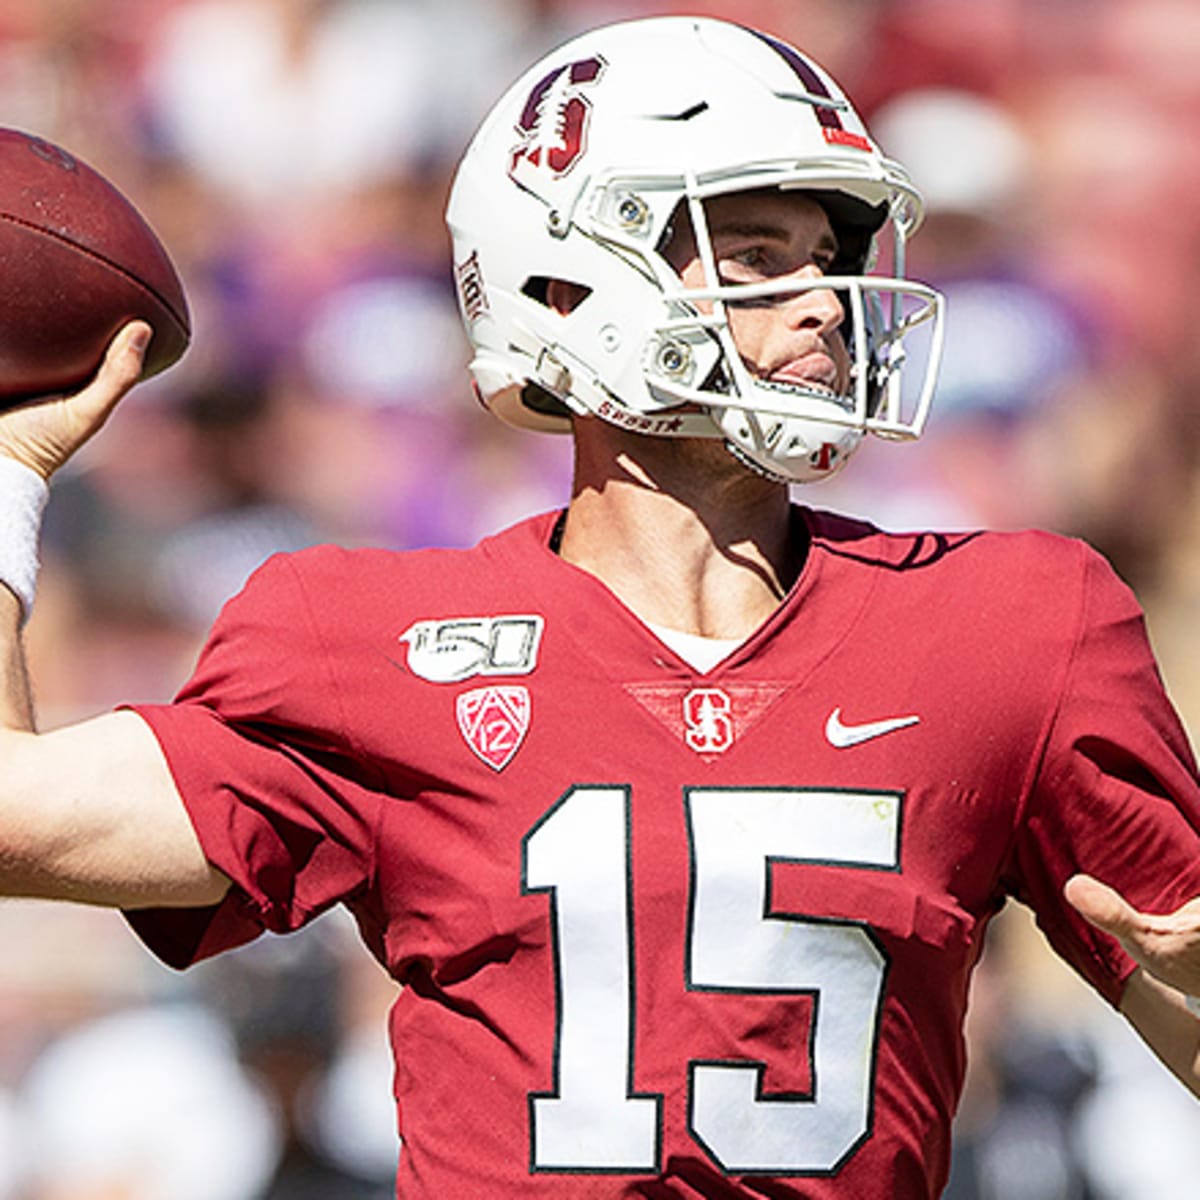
{"x":841,"y":735}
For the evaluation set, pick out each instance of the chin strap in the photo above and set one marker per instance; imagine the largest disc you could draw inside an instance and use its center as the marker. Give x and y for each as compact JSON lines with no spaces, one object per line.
{"x":751,"y":465}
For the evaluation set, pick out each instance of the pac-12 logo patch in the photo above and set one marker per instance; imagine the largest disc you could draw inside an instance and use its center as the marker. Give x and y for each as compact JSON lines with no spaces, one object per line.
{"x":553,"y":123}
{"x":451,"y":650}
{"x":494,"y":721}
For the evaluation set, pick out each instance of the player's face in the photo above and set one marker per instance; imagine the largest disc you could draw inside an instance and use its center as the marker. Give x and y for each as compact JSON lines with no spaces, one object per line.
{"x":772,"y":236}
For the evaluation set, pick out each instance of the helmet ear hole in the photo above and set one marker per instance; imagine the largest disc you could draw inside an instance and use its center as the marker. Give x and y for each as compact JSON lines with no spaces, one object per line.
{"x":561,"y":295}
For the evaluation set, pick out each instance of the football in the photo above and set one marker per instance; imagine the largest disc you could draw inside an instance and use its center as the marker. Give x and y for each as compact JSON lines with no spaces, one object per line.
{"x":77,"y":261}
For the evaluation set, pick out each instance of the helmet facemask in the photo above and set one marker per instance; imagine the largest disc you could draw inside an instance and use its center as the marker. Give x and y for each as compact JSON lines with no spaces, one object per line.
{"x":693,"y":367}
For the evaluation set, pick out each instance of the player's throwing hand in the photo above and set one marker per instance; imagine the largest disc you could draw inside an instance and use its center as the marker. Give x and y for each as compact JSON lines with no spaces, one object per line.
{"x":44,"y":434}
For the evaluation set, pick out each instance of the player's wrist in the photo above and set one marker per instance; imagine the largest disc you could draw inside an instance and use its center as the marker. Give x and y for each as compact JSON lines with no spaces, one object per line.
{"x":23,"y":495}
{"x":1193,"y":1004}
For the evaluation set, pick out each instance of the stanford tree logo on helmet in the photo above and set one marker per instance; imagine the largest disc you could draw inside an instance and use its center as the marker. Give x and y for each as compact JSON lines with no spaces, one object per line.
{"x":554,"y":120}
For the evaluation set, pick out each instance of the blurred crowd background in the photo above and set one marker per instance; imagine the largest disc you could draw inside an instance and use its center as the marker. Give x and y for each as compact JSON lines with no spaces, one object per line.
{"x":295,"y":155}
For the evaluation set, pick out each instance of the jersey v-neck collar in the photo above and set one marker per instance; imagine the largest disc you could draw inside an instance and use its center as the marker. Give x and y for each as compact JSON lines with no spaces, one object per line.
{"x":580,"y":604}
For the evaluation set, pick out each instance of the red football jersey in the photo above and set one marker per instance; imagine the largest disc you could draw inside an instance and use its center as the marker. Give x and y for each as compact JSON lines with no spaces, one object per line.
{"x":670,"y":934}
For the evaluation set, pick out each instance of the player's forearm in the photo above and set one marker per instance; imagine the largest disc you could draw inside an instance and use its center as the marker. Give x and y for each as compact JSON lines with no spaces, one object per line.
{"x":35,"y":441}
{"x":16,"y":703}
{"x":1160,"y":1015}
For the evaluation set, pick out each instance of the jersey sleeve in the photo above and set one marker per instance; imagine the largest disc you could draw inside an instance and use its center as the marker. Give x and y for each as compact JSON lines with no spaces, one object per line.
{"x":280,"y":799}
{"x":1115,"y":792}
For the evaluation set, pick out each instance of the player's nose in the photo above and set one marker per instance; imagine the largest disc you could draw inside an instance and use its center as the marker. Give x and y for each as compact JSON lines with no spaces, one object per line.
{"x":814,"y":308}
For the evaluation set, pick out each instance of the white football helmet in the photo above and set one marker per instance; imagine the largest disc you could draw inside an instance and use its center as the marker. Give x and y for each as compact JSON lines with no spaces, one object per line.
{"x":577,"y":174}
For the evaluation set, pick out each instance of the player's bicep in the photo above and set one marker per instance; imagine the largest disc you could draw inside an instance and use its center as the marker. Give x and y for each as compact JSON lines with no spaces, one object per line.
{"x":91,"y":813}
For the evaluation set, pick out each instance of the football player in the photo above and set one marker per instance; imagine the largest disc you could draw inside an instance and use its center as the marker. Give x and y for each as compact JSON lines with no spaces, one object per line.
{"x":679,"y":814}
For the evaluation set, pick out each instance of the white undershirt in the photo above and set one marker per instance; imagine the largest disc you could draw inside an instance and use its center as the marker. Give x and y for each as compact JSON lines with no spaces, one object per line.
{"x":702,"y":653}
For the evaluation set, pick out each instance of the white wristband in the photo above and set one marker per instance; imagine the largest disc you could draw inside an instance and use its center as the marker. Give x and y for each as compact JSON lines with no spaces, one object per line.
{"x":1193,"y":1003}
{"x":23,"y":495}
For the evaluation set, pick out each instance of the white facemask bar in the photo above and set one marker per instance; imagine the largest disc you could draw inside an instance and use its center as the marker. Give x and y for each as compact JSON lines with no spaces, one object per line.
{"x":685,"y":347}
{"x":748,"y":393}
{"x":888,"y":417}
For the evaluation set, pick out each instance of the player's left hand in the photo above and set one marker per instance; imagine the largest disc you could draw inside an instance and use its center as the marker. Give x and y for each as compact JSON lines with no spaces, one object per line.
{"x":1167,"y":945}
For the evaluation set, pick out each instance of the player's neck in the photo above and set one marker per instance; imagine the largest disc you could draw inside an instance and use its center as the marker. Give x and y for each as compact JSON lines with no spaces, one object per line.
{"x":682,"y":534}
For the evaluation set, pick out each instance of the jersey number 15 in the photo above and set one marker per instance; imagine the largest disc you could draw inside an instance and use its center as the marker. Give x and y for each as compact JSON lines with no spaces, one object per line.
{"x":579,"y":853}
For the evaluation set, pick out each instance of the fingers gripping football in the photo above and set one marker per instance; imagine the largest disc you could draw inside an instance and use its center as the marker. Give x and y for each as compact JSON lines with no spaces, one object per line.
{"x":1165,"y":944}
{"x":42,"y":435}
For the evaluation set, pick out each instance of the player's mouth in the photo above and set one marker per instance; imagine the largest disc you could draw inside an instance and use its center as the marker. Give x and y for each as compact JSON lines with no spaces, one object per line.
{"x":813,"y":373}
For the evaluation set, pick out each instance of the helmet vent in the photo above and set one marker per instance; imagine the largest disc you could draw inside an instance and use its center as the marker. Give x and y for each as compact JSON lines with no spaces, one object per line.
{"x":696,"y":109}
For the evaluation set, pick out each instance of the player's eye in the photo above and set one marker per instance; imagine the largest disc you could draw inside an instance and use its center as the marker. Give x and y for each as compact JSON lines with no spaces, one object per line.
{"x":746,"y":265}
